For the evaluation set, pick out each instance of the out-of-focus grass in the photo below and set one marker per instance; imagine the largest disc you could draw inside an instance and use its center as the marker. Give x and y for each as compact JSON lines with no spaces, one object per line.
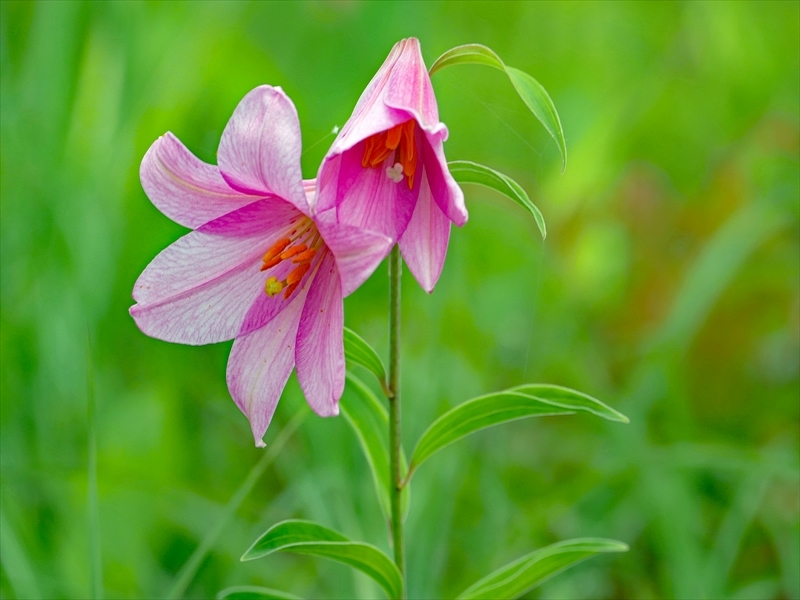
{"x":668,"y":287}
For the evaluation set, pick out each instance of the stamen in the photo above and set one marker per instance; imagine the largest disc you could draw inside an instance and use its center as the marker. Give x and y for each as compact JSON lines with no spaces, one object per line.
{"x":289,"y":290}
{"x":273,"y":287}
{"x":276,"y":249}
{"x":271,"y":263}
{"x":369,"y":147}
{"x":305,"y":256}
{"x":408,"y":140}
{"x":293,"y":251}
{"x":380,"y":156}
{"x":296,"y":275}
{"x":393,"y":136}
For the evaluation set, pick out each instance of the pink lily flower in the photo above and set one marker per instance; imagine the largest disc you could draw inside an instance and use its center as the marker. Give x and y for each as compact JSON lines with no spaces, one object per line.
{"x":386,"y":171}
{"x":257,"y":267}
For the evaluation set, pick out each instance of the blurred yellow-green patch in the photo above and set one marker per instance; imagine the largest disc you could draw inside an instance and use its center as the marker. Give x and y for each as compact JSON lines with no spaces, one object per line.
{"x":668,"y":287}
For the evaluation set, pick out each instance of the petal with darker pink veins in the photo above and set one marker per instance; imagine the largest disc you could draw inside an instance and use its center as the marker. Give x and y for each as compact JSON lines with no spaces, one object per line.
{"x":261,"y":146}
{"x":444,"y":189}
{"x":409,"y":87}
{"x":260,"y":364}
{"x":199,"y":289}
{"x":368,"y":199}
{"x":184,"y":188}
{"x":320,"y":347}
{"x":424,"y":242}
{"x":358,"y":252}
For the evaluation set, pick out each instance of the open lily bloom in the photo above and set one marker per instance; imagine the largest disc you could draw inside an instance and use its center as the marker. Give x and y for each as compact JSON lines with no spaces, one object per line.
{"x":386,"y":171}
{"x":257,"y":267}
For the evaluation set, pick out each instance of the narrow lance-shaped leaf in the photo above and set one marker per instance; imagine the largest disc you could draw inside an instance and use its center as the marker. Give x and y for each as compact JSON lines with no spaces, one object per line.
{"x":532,"y":400}
{"x":253,"y":592}
{"x":476,"y":414}
{"x":358,"y":351}
{"x":307,"y":537}
{"x":370,"y":422}
{"x":527,"y":572}
{"x":558,"y":395}
{"x":465,"y":171}
{"x":530,"y":91}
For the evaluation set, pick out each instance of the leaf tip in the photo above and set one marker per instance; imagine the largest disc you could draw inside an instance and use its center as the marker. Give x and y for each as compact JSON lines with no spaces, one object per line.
{"x":619,"y":417}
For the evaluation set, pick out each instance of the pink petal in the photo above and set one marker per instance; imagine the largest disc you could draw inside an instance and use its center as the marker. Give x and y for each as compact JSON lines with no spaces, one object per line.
{"x":187,"y":190}
{"x":446,"y":193}
{"x":261,"y":145}
{"x":358,"y":252}
{"x":199,"y":289}
{"x":409,"y":87}
{"x":366,"y":197}
{"x":259,"y":365}
{"x":424,"y":242}
{"x":320,"y":348}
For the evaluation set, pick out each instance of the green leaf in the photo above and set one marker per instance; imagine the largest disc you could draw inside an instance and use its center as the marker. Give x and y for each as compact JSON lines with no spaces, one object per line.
{"x":530,"y":400}
{"x":253,"y":592}
{"x":539,"y":102}
{"x":572,"y":399}
{"x":307,"y":537}
{"x":358,"y":351}
{"x":370,"y":422}
{"x":530,"y":91}
{"x":465,"y":171}
{"x":468,"y":54}
{"x":524,"y":574}
{"x":476,"y":414}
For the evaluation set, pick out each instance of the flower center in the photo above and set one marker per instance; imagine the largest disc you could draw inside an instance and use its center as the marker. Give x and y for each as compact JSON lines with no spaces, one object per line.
{"x":399,"y":140}
{"x":301,"y":244}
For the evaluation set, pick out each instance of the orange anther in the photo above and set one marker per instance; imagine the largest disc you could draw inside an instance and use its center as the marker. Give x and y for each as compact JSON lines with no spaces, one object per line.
{"x":393,"y":136}
{"x":276,"y":249}
{"x":369,"y":148}
{"x":296,"y":275}
{"x":379,"y":156}
{"x":271,"y":263}
{"x":290,"y":252}
{"x":289,"y":291}
{"x":408,"y":141}
{"x":305,"y":256}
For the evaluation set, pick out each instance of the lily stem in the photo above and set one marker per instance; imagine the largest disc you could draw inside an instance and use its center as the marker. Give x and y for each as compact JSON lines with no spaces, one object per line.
{"x":395,"y":270}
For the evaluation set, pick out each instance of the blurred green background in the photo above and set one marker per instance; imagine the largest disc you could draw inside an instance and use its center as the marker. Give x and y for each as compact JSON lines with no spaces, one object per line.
{"x":668,"y":286}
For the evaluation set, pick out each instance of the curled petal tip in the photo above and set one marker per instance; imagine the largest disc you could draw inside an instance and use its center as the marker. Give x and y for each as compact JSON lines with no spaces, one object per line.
{"x":260,"y":444}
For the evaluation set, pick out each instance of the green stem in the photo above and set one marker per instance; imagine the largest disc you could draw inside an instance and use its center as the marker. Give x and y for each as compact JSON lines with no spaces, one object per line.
{"x":395,"y":269}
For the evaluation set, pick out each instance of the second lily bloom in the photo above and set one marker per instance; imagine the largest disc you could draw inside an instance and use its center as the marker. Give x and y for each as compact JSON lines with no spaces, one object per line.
{"x":386,"y":171}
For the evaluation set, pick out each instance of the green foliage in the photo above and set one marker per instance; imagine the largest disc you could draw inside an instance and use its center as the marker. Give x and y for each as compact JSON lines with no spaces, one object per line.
{"x":533,"y":400}
{"x":531,"y":570}
{"x":253,"y":592}
{"x":357,"y":351}
{"x":666,"y":285}
{"x":530,"y":91}
{"x":370,"y":422}
{"x":307,"y":537}
{"x":466,"y":171}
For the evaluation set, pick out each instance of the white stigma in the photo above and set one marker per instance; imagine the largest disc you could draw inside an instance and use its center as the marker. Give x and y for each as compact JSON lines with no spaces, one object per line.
{"x":395,"y":173}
